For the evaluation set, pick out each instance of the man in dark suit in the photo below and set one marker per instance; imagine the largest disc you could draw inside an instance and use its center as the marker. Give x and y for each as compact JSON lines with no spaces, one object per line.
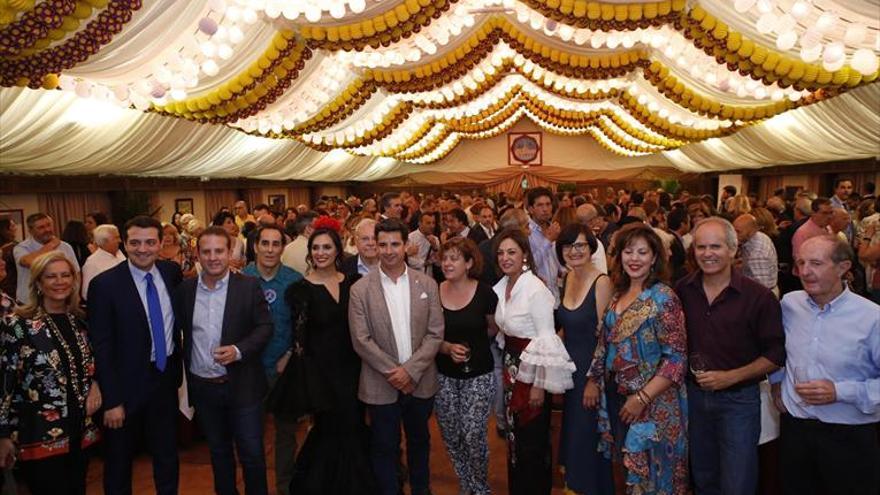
{"x":137,"y":357}
{"x":367,"y":258}
{"x":485,"y":227}
{"x":226,"y":324}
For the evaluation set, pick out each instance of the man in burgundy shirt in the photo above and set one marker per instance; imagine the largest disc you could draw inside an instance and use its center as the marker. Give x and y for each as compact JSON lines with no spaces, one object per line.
{"x":735,"y":338}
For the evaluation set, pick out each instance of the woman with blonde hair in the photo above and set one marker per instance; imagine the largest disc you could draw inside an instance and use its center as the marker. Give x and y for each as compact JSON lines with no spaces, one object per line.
{"x":49,"y":391}
{"x":738,"y":205}
{"x":174,"y":250}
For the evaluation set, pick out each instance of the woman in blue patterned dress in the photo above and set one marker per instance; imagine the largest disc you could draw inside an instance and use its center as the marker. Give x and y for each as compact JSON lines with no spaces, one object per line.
{"x":638,"y":367}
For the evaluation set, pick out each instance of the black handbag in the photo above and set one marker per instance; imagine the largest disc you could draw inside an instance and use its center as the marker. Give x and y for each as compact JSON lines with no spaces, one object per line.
{"x":301,"y":389}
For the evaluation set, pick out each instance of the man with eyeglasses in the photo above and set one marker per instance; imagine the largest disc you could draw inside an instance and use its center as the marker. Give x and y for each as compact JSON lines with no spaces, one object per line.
{"x":367,"y":258}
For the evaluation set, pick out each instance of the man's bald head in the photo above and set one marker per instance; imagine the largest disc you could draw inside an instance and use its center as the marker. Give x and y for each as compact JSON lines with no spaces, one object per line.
{"x":839,"y":220}
{"x":745,"y":225}
{"x":586,"y":213}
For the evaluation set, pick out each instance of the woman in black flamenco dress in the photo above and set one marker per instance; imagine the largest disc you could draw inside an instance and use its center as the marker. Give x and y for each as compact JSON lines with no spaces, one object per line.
{"x":335,"y":456}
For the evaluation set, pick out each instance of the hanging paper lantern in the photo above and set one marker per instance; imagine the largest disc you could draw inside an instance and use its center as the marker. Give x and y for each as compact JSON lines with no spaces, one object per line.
{"x":833,"y":53}
{"x":864,"y":61}
{"x":800,"y":9}
{"x":786,"y":40}
{"x":812,"y":53}
{"x":207,"y":26}
{"x":826,"y":21}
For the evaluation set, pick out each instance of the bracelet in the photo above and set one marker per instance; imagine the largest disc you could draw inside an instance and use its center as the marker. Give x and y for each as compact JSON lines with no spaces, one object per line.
{"x":641,"y":400}
{"x":643,"y":397}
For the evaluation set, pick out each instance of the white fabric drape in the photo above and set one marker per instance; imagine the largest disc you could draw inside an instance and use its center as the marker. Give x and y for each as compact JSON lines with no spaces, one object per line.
{"x":38,"y":136}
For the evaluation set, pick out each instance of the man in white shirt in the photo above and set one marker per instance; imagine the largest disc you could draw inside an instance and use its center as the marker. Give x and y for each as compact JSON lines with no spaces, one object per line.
{"x":294,"y":255}
{"x":423,"y":243}
{"x":42,"y":240}
{"x":397,"y":326}
{"x":105,"y":257}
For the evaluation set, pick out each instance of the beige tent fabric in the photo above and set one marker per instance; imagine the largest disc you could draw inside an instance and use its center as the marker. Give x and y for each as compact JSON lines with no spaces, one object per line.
{"x":39,"y":135}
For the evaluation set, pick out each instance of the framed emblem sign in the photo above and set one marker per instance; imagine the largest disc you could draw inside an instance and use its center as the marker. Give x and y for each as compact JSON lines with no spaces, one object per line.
{"x":524,"y":148}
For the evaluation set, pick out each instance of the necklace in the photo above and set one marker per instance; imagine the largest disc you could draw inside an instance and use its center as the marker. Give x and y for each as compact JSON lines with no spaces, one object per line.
{"x":72,"y":371}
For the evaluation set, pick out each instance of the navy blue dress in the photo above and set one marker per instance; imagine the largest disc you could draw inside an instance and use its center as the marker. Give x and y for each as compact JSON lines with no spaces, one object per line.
{"x":586,"y":470}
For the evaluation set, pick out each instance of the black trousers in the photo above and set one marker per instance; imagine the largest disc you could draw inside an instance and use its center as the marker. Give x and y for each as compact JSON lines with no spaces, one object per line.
{"x":842,"y":459}
{"x":532,"y":473}
{"x":57,"y":475}
{"x":158,"y":421}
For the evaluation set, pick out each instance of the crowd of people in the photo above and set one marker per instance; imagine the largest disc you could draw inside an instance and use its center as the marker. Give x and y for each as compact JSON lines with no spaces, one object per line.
{"x":655,"y":316}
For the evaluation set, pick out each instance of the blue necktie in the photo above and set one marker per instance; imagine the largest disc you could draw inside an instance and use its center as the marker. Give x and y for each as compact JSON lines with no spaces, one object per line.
{"x":157,"y":322}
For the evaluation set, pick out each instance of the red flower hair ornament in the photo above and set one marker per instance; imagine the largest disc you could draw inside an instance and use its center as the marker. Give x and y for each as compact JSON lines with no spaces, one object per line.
{"x":325,"y":222}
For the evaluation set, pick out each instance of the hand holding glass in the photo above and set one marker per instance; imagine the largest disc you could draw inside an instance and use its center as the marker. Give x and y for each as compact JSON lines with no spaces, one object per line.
{"x":697,"y":363}
{"x":466,"y":366}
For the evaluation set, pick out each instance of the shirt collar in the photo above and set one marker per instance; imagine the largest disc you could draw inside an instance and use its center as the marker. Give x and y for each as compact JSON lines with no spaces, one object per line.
{"x":736,"y":280}
{"x":253,"y":269}
{"x":364,"y":265}
{"x":220,"y":283}
{"x":404,"y":276}
{"x":834,"y":304}
{"x":108,"y":254}
{"x":139,"y":274}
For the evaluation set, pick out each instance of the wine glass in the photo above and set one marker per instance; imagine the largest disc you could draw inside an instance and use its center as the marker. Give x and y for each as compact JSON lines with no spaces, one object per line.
{"x":698,"y":363}
{"x":466,"y":365}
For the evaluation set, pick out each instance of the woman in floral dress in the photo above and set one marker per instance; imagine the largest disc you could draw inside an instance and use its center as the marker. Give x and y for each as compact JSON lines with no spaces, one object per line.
{"x":638,"y":368}
{"x":49,"y":392}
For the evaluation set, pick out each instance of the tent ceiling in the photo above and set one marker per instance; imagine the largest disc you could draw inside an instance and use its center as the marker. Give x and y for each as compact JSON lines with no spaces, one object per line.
{"x":372,"y":89}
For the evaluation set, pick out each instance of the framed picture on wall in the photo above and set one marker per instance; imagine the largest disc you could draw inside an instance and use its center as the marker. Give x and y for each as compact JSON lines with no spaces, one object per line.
{"x":16,"y":216}
{"x":278,"y":202}
{"x":183,"y":205}
{"x":524,"y":149}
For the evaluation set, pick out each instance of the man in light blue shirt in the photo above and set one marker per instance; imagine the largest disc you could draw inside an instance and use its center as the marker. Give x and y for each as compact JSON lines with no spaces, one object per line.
{"x":830,"y":386}
{"x":842,"y":190}
{"x":42,"y":240}
{"x":542,"y":236}
{"x":226,"y":325}
{"x":275,"y":279}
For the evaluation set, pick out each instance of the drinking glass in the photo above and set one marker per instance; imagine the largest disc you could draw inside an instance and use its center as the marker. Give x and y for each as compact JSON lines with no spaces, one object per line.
{"x":466,"y":365}
{"x":803,"y":374}
{"x":698,"y":363}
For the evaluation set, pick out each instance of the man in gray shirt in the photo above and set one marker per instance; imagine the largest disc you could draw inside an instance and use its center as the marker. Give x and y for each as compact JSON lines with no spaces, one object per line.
{"x":42,"y":240}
